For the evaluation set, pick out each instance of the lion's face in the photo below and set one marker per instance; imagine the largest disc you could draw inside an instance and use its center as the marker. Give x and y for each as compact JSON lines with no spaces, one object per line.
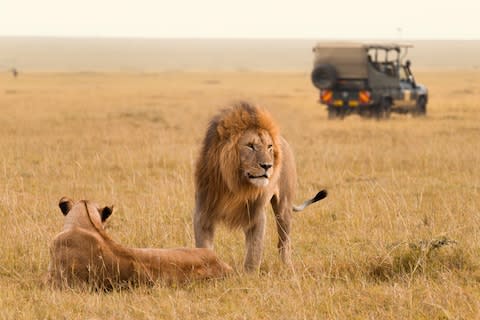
{"x":256,"y":152}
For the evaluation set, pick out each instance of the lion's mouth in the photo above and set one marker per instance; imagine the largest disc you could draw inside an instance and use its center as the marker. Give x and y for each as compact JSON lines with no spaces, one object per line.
{"x":258,"y":181}
{"x":251,"y":176}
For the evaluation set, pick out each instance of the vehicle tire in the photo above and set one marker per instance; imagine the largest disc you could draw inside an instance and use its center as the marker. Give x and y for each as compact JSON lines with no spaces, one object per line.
{"x":387,"y":108}
{"x":324,"y":76}
{"x":332,"y":113}
{"x":377,"y":111}
{"x":421,"y":107}
{"x":365,"y":114}
{"x":382,"y":110}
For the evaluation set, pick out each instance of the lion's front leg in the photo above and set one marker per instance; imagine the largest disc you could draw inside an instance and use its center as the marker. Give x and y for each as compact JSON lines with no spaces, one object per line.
{"x":254,"y":237}
{"x":204,"y":234}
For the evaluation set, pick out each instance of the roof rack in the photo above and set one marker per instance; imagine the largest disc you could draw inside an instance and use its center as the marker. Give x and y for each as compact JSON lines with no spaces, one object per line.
{"x":389,"y":46}
{"x":346,"y":44}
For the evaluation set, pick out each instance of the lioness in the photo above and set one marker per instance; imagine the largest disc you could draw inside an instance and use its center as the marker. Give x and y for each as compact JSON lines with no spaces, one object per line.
{"x":244,"y":164}
{"x":84,"y":254}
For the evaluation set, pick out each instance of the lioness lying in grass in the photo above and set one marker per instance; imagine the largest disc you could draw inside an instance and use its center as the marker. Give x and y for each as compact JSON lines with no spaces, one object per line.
{"x":84,"y":254}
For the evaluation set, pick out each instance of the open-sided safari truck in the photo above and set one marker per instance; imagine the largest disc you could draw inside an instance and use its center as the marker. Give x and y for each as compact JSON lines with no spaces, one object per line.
{"x":368,"y":79}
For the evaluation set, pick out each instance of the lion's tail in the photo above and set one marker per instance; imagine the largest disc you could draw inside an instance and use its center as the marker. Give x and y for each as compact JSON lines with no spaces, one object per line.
{"x":319,"y":196}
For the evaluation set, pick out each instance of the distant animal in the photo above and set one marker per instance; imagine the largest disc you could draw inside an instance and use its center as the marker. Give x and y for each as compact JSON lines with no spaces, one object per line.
{"x":14,"y":72}
{"x":83,"y":254}
{"x":244,"y":164}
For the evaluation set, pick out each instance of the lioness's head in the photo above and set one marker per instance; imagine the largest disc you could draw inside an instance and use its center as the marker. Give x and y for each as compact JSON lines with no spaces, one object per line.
{"x":84,"y":214}
{"x":244,"y":143}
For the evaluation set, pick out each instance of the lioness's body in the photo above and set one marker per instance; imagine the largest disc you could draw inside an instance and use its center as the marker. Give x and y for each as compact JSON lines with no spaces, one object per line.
{"x":245,"y":164}
{"x":84,"y":254}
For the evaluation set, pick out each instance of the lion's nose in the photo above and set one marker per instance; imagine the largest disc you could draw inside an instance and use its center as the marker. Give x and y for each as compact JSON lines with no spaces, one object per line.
{"x":266,"y":166}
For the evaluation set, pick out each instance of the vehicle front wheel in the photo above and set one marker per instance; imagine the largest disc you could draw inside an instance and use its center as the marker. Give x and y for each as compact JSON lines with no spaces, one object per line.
{"x":421,"y":107}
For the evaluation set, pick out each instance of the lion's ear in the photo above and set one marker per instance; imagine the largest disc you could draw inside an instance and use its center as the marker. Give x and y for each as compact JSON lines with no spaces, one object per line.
{"x":65,"y":205}
{"x":106,"y":212}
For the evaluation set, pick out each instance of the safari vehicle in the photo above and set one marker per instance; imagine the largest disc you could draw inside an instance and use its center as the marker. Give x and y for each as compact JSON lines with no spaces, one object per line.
{"x":367,"y":79}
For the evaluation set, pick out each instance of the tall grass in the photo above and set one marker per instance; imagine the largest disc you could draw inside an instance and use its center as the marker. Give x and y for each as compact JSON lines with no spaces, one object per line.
{"x":398,"y":237}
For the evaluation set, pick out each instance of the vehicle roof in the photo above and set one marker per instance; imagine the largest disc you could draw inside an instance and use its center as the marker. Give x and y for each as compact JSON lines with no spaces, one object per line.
{"x":358,"y":45}
{"x":350,"y":58}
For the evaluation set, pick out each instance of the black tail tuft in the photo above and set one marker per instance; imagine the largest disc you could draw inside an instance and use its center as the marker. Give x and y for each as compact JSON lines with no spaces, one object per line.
{"x":319,"y":196}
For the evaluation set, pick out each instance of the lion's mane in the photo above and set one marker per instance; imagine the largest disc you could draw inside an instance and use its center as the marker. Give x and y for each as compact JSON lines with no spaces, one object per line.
{"x":218,"y":180}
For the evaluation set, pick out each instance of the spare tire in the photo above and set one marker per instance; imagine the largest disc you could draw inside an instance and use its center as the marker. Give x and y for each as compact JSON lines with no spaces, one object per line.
{"x":324,"y":76}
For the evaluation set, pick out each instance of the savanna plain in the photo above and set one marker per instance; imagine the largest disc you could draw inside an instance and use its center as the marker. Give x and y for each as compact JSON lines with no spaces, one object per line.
{"x":397,"y":238}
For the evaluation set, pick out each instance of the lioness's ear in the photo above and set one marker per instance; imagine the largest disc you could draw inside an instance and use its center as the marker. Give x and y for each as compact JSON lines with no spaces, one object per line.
{"x":65,"y":205}
{"x":106,"y":212}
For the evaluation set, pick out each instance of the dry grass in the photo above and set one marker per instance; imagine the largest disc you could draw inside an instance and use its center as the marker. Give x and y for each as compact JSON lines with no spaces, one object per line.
{"x":367,"y":251}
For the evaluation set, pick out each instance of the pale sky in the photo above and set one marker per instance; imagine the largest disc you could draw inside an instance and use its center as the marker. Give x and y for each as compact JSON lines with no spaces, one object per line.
{"x":320,"y":19}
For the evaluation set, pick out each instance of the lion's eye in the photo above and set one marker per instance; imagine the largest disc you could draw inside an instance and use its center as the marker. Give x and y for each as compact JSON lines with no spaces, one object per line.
{"x":270,"y":147}
{"x":251,"y":146}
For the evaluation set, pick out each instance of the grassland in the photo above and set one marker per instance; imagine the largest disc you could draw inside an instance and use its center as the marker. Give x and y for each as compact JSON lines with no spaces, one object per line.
{"x":397,"y":238}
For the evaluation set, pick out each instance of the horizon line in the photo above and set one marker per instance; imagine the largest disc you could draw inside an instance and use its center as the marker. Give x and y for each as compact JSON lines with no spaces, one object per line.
{"x":115,"y":37}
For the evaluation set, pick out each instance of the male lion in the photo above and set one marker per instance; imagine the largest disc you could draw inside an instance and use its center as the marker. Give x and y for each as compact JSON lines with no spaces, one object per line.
{"x":244,"y":164}
{"x":83,"y":254}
